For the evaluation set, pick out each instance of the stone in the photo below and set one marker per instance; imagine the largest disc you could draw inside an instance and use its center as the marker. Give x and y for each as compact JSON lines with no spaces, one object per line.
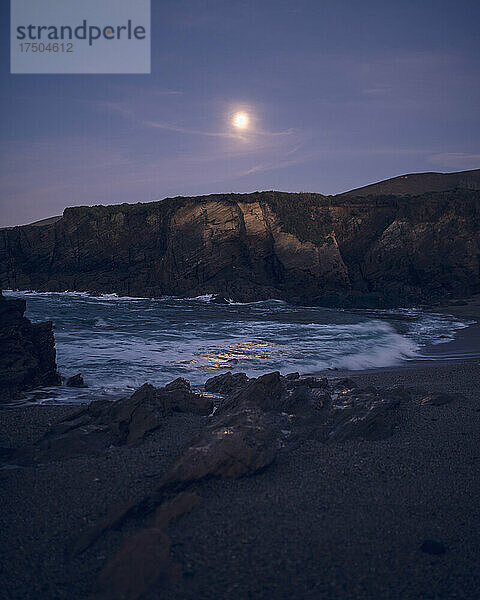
{"x":292,"y":376}
{"x":239,"y":444}
{"x":127,"y":421}
{"x":27,"y":352}
{"x":178,"y":384}
{"x":365,"y":414}
{"x":344,"y":384}
{"x":76,"y":381}
{"x":226,"y":382}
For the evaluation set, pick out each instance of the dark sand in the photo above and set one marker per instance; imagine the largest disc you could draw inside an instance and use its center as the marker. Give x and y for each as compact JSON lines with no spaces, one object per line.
{"x":340,"y":521}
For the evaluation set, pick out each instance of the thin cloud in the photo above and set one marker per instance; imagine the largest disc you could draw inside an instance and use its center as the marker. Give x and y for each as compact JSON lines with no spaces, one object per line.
{"x":456,"y":160}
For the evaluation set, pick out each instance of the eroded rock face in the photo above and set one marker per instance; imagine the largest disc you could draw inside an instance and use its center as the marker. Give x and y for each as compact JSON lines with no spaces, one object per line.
{"x":27,"y":351}
{"x":339,"y":250}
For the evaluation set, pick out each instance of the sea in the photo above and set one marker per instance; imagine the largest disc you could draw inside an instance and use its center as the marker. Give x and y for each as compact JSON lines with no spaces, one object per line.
{"x":119,"y":343}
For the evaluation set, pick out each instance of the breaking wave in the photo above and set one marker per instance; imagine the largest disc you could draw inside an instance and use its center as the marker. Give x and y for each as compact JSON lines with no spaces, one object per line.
{"x":118,"y":342}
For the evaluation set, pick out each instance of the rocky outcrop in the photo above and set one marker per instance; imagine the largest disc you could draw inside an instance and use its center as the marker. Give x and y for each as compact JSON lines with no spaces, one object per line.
{"x":102,"y":424}
{"x":76,"y":381}
{"x":255,"y":421}
{"x":304,"y":248}
{"x":27,"y":351}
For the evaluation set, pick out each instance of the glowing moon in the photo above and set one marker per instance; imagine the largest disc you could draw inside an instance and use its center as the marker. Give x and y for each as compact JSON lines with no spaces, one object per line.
{"x":240,"y":120}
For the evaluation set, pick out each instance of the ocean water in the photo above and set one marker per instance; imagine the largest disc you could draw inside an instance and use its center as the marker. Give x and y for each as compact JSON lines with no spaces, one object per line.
{"x":119,"y":343}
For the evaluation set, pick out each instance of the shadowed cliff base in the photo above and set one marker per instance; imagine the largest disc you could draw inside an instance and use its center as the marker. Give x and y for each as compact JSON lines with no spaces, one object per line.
{"x":341,"y":250}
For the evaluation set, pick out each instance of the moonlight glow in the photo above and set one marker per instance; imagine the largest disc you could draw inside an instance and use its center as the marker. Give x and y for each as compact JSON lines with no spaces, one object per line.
{"x":240,"y":120}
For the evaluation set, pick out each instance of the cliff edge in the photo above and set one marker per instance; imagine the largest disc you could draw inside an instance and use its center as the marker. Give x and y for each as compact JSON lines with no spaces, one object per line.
{"x":303,"y":248}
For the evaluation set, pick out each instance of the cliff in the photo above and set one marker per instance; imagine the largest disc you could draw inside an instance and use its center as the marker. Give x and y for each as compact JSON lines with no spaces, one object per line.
{"x":27,"y":351}
{"x":337,"y":250}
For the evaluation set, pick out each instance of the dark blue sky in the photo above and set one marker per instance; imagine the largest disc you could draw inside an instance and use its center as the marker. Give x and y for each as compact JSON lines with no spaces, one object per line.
{"x":341,"y":94}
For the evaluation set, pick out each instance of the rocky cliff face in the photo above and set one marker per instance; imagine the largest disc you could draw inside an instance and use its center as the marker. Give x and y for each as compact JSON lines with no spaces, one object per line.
{"x":298,"y":247}
{"x":27,"y":351}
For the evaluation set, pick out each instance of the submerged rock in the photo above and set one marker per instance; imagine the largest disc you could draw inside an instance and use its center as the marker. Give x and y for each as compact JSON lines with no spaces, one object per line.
{"x":217,"y":299}
{"x":27,"y":351}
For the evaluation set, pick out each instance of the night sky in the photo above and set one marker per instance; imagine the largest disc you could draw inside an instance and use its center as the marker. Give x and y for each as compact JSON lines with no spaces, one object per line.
{"x":339,"y":94}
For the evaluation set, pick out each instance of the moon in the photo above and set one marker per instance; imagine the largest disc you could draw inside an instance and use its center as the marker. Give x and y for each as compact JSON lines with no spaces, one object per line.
{"x":240,"y":120}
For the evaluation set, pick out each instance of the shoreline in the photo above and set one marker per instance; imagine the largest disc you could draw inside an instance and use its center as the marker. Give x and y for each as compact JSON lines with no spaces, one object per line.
{"x":293,"y":531}
{"x":464,"y":346}
{"x":334,"y":521}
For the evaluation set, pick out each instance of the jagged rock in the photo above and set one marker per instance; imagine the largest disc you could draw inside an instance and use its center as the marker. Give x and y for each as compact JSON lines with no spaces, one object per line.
{"x":314,"y":382}
{"x":226,"y":382}
{"x":124,"y":422}
{"x":246,"y":435}
{"x":264,"y":392}
{"x":310,"y":382}
{"x":304,"y":399}
{"x":27,"y":351}
{"x":344,"y":384}
{"x":178,"y":384}
{"x":239,"y":444}
{"x":235,"y":445}
{"x":366,"y":414}
{"x":76,"y":381}
{"x":292,"y":376}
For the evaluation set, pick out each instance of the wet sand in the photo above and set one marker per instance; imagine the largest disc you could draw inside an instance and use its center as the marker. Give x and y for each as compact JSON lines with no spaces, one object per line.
{"x":337,"y":521}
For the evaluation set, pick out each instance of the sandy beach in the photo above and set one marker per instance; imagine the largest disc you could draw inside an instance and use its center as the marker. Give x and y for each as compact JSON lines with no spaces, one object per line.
{"x":336,"y":521}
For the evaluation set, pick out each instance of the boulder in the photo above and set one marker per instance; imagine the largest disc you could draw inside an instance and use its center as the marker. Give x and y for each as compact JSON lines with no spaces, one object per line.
{"x":226,"y":382}
{"x":239,"y":444}
{"x":292,"y":376}
{"x":27,"y":351}
{"x":366,"y":414}
{"x":178,"y":384}
{"x":76,"y":381}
